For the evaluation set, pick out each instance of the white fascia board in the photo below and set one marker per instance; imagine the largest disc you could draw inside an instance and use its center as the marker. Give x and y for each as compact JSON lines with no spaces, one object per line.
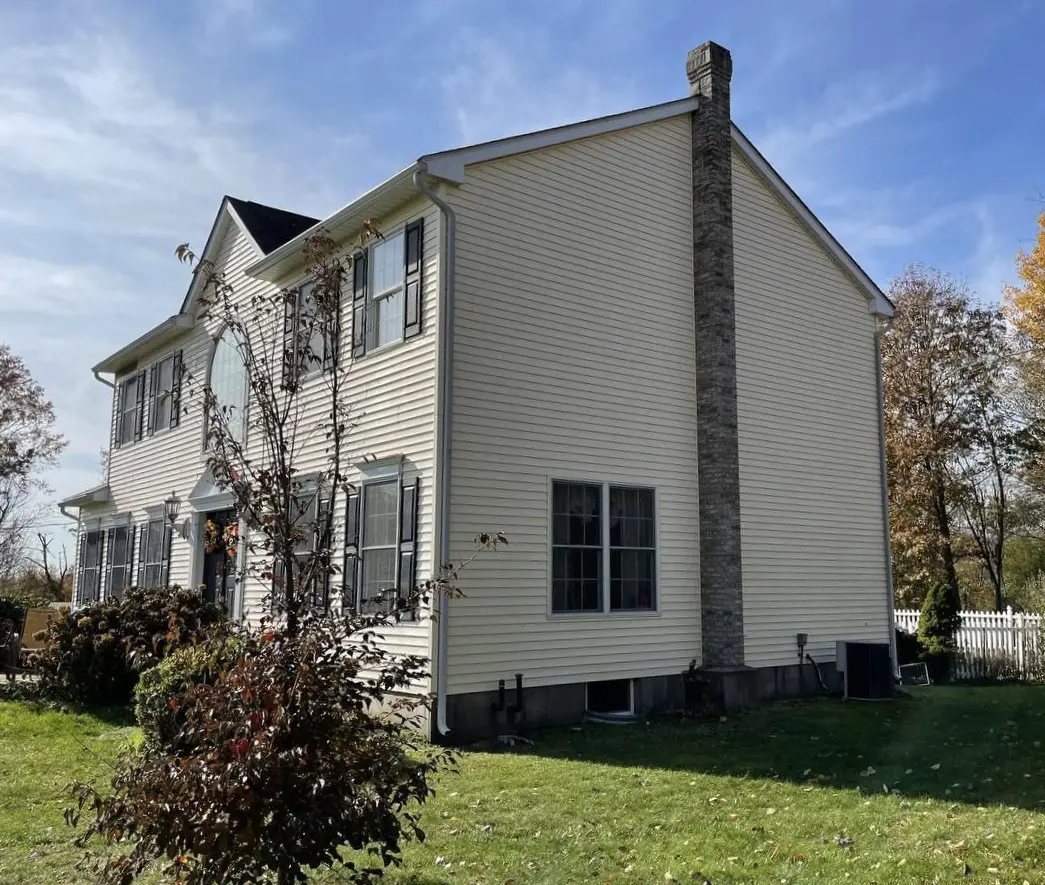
{"x":97,"y":495}
{"x":450,"y":165}
{"x":880,"y":305}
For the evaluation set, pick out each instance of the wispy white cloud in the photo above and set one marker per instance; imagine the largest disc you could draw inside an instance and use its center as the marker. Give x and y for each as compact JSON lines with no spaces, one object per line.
{"x":992,"y":266}
{"x":844,"y":107}
{"x":107,"y":159}
{"x":510,"y":83}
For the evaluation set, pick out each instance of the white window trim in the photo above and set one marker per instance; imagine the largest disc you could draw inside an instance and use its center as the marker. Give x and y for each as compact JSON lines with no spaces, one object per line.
{"x":246,"y":399}
{"x":128,"y":562}
{"x":372,"y":298}
{"x":154,"y":431}
{"x":604,"y":590}
{"x":378,"y":473}
{"x":323,"y":366}
{"x":121,"y":393}
{"x":154,"y":514}
{"x":93,"y":526}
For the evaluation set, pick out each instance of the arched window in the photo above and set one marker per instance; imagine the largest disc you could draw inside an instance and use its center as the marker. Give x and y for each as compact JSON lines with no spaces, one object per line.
{"x":228,"y":382}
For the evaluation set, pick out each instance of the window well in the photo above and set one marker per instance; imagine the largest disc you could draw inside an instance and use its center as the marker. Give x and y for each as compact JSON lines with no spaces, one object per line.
{"x":610,"y":698}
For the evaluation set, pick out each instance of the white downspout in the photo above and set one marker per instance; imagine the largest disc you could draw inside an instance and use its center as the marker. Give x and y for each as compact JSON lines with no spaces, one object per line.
{"x":882,"y":324}
{"x":98,"y":377}
{"x":445,"y":418}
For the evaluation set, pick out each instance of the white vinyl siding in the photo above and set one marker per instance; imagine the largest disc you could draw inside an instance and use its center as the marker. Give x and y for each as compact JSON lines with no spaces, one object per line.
{"x":574,"y":361}
{"x":811,"y":518}
{"x":392,"y":394}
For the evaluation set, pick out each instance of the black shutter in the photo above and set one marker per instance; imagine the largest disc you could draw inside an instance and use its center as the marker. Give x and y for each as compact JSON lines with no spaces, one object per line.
{"x":110,"y":536}
{"x":139,"y":411}
{"x":132,"y":533}
{"x":321,"y":583}
{"x":350,"y":569}
{"x":176,"y":391}
{"x":413,"y":259}
{"x":143,"y":546}
{"x":150,"y":401}
{"x":80,"y":568}
{"x":407,"y":538}
{"x":165,"y":563}
{"x":119,"y":416}
{"x":359,"y":287}
{"x":291,"y":330}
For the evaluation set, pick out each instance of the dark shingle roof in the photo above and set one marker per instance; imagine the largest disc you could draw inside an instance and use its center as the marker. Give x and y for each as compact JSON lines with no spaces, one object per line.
{"x":270,"y":227}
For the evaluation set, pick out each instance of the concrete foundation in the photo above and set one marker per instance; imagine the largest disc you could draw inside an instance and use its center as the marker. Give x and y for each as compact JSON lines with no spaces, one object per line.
{"x":472,"y":716}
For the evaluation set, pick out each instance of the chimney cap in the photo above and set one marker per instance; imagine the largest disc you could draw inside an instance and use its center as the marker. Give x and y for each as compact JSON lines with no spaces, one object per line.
{"x":709,"y":58}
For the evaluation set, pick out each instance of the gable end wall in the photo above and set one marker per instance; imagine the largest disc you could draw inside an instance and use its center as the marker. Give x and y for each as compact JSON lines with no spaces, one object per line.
{"x":811,"y":516}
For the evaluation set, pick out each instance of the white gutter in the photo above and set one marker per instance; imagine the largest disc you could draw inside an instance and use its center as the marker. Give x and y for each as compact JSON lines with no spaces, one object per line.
{"x":882,"y":324}
{"x":444,"y":415}
{"x":98,"y":377}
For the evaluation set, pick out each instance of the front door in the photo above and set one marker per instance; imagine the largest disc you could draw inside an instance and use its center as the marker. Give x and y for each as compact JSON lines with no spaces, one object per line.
{"x":219,"y":558}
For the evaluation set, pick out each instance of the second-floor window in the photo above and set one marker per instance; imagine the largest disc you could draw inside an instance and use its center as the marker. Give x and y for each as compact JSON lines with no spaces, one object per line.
{"x":309,"y":337}
{"x":162,"y":393}
{"x":386,"y":290}
{"x":128,"y":410}
{"x":228,"y":383}
{"x":148,"y":401}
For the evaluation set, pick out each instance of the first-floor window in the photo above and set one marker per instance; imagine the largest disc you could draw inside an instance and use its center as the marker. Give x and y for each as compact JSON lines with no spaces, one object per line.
{"x":311,"y":517}
{"x":90,"y":563}
{"x":154,"y":554}
{"x":118,"y":561}
{"x":380,"y":544}
{"x":604,"y":549}
{"x":576,"y":547}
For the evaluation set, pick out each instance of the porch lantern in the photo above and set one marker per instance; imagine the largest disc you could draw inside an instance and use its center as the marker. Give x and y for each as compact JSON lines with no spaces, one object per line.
{"x":171,"y":507}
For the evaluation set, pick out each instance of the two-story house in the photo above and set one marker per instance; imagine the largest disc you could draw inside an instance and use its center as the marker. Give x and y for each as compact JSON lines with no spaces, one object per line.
{"x":625,"y":343}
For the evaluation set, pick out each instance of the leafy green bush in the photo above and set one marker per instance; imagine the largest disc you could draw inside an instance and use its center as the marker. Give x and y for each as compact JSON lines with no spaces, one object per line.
{"x":94,"y":655}
{"x":160,"y":693}
{"x":937,"y":629}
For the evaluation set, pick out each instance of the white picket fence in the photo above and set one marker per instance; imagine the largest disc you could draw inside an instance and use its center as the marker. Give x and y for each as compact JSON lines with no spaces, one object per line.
{"x":992,"y":645}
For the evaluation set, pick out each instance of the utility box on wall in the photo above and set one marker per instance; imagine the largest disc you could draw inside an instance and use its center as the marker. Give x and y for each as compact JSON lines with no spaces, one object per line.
{"x":866,"y":670}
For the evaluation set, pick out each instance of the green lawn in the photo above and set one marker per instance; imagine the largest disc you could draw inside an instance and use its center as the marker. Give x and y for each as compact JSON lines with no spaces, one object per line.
{"x":793,"y":793}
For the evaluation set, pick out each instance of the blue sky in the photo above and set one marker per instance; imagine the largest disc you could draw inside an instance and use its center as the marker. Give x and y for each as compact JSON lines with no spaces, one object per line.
{"x":914,"y":131}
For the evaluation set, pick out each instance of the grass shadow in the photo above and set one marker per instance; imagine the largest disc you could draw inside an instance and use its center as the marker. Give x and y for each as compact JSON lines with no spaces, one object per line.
{"x":977,"y":745}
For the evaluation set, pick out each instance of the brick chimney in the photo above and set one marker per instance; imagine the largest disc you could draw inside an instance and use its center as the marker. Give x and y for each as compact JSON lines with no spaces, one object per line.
{"x":709,"y":68}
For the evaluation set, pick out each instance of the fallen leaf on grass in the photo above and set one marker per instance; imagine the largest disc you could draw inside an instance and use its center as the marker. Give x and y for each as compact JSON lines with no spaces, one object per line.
{"x":935,"y":767}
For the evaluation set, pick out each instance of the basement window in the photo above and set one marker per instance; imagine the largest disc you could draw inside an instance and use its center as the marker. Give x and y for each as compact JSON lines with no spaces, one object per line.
{"x":613,"y":697}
